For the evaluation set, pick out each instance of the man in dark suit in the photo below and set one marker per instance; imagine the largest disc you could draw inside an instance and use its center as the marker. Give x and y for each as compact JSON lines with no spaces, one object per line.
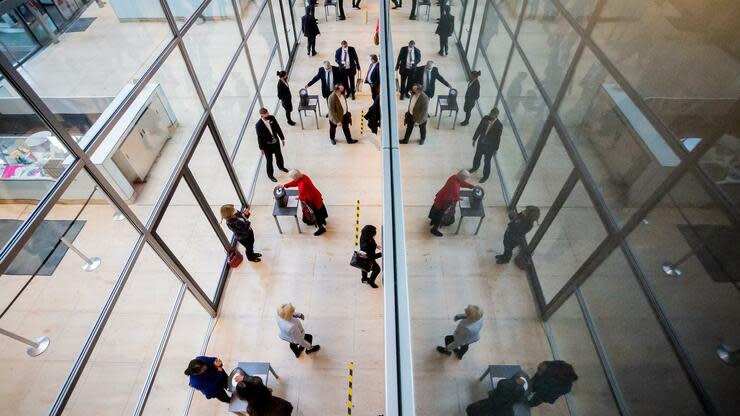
{"x":310,"y":7}
{"x":488,"y":135}
{"x":329,"y":76}
{"x":346,"y":59}
{"x":269,"y":136}
{"x":427,"y":75}
{"x":412,"y":16}
{"x":310,"y":28}
{"x":372,"y":77}
{"x":408,"y":58}
{"x":340,"y":4}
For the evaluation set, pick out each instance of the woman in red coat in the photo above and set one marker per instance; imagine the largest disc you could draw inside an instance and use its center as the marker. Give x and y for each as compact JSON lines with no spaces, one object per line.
{"x":446,"y":199}
{"x":313,"y":203}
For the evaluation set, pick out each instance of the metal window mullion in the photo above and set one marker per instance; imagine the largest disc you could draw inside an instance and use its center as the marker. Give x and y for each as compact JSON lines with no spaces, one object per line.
{"x":221,"y":147}
{"x":74,"y":376}
{"x":486,"y":10}
{"x":192,"y":72}
{"x":254,"y":74}
{"x":557,"y":204}
{"x":243,"y":130}
{"x":285,"y":28}
{"x":532,"y":162}
{"x":275,"y":33}
{"x":470,"y":32}
{"x":192,"y":19}
{"x":224,"y":79}
{"x":269,"y":62}
{"x":204,"y":346}
{"x":157,"y":360}
{"x":200,"y":198}
{"x":512,"y":35}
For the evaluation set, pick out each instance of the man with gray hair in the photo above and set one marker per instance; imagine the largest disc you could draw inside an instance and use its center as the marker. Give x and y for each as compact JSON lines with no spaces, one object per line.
{"x":427,"y":75}
{"x":329,"y":76}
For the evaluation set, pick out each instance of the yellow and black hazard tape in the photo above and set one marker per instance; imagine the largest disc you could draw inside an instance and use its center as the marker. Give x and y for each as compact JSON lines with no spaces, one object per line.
{"x":362,"y":122}
{"x":349,"y":391}
{"x":357,"y":223}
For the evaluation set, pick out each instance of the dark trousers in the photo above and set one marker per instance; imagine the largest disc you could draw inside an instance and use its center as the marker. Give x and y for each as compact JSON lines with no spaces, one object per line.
{"x":297,"y":349}
{"x":248,"y":244}
{"x":349,"y":75}
{"x":345,"y":129}
{"x":413,"y":9}
{"x":222,"y":395}
{"x":310,"y":10}
{"x":311,"y":43}
{"x":373,"y":91}
{"x":467,"y":115}
{"x":356,"y":3}
{"x":340,"y":3}
{"x":487,"y":155}
{"x":406,"y":76}
{"x":410,"y":129}
{"x":273,"y":150}
{"x":535,"y":401}
{"x":374,"y":272}
{"x":288,"y":107}
{"x":511,"y":242}
{"x":458,"y":351}
{"x":443,"y":44}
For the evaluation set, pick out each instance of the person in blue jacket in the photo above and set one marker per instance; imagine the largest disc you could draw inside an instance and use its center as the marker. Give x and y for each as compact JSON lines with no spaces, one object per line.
{"x":207,"y":375}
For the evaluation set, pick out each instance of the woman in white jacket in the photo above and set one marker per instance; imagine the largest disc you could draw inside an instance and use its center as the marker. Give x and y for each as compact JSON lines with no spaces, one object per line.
{"x":466,"y":333}
{"x":291,"y":330}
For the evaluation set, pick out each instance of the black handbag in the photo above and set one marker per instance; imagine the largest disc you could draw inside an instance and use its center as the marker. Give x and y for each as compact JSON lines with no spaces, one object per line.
{"x":361,"y":261}
{"x":448,"y":218}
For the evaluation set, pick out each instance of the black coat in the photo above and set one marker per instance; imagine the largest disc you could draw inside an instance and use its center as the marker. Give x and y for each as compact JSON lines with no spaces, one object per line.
{"x":283,"y":93}
{"x":471,"y":95}
{"x":500,"y":402}
{"x":337,"y":77}
{"x":373,"y":115}
{"x":446,"y":26}
{"x":310,"y":26}
{"x":434,"y":77}
{"x":241,"y":227}
{"x":374,"y":77}
{"x":263,"y":133}
{"x":403,"y":54}
{"x":369,"y":246}
{"x":491,"y":139}
{"x":354,"y":62}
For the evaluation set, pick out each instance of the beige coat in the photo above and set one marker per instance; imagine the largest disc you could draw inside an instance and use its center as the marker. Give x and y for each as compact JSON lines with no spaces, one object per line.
{"x":421,"y":109}
{"x":336,"y":112}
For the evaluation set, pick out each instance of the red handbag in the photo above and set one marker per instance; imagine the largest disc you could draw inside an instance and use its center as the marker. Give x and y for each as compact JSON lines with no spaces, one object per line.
{"x":234,"y":258}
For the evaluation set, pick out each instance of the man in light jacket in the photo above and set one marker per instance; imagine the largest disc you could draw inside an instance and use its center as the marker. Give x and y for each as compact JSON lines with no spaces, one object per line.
{"x":339,"y":115}
{"x":291,"y":330}
{"x":417,"y":113}
{"x":466,"y":333}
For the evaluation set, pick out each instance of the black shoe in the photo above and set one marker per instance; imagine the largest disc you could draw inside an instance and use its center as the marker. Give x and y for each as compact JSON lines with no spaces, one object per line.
{"x":364,"y":280}
{"x":308,"y":53}
{"x":284,"y":170}
{"x":441,"y":53}
{"x":472,"y":170}
{"x":500,"y":259}
{"x":298,"y":354}
{"x":334,"y":142}
{"x":326,"y":116}
{"x":412,"y":17}
{"x":395,"y":7}
{"x":254,"y":259}
{"x":458,"y":355}
{"x":351,"y":141}
{"x":353,"y":96}
{"x":257,"y":254}
{"x":291,"y":122}
{"x":320,"y":231}
{"x":313,"y":349}
{"x":421,"y":142}
{"x":313,"y":53}
{"x":272,"y":179}
{"x":436,"y":232}
{"x":372,"y":285}
{"x":401,"y":97}
{"x":483,"y":179}
{"x":464,"y":123}
{"x":443,"y":350}
{"x":403,"y":141}
{"x":342,"y":18}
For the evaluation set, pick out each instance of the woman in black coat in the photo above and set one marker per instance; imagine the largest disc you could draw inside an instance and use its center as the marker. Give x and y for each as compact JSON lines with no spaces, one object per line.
{"x":373,"y":113}
{"x":241,"y":227}
{"x":471,"y":96}
{"x":283,"y":93}
{"x":369,"y":246}
{"x":553,"y":379}
{"x":445,"y":28}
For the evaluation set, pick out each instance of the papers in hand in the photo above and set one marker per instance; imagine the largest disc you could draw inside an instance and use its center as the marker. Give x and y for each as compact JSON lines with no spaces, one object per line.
{"x":292,"y":201}
{"x":465,"y":202}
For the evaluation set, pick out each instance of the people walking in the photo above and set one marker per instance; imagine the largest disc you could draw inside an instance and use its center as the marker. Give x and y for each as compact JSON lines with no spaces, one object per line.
{"x":356,"y":4}
{"x":416,"y":114}
{"x":408,"y":59}
{"x":488,"y":136}
{"x":348,"y":62}
{"x":340,"y":5}
{"x":446,"y":199}
{"x":207,"y":375}
{"x":516,"y":231}
{"x":373,"y":113}
{"x":283,"y":93}
{"x":467,"y":332}
{"x":471,"y":96}
{"x":369,"y":247}
{"x":552,"y":380}
{"x":314,"y":210}
{"x":372,"y":78}
{"x":412,"y":15}
{"x":310,"y":27}
{"x":339,"y":115}
{"x":427,"y":76}
{"x":239,"y":224}
{"x":269,"y":138}
{"x":445,"y":29}
{"x":291,"y":330}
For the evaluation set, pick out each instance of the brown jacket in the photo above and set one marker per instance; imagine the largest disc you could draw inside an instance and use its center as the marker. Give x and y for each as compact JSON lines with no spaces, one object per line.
{"x":420,"y":112}
{"x":336,"y":112}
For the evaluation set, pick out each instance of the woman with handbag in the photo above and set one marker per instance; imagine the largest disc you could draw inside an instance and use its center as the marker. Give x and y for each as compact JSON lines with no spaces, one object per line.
{"x":241,"y":227}
{"x":516,"y":231}
{"x":314,"y":210}
{"x":446,"y":199}
{"x":369,"y":246}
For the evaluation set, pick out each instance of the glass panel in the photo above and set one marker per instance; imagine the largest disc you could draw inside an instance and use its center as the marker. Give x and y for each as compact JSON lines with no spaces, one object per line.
{"x":549,"y":42}
{"x":183,"y":9}
{"x":268,"y":92}
{"x":212,"y":43}
{"x":248,"y":155}
{"x":624,"y":154}
{"x":261,"y":43}
{"x":183,"y":223}
{"x":248,"y":10}
{"x":15,"y":41}
{"x":495,"y":44}
{"x":722,"y":162}
{"x":169,"y":392}
{"x":573,"y":235}
{"x":691,"y":231}
{"x":548,"y":178}
{"x":527,"y":108}
{"x":509,"y":156}
{"x":61,"y":300}
{"x":140,"y":153}
{"x":80,"y":77}
{"x":581,"y":10}
{"x":279,"y":24}
{"x":591,"y":394}
{"x":232,"y":105}
{"x":510,"y":9}
{"x":637,"y":350}
{"x":472,"y":47}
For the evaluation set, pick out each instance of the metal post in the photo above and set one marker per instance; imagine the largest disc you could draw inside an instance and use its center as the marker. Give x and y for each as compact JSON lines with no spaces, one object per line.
{"x":672,"y":268}
{"x":90,"y":263}
{"x":35,"y":348}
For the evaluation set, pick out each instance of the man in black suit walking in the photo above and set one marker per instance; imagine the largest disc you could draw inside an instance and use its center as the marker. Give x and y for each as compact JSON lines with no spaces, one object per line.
{"x":488,"y":135}
{"x":346,"y":59}
{"x":310,"y":28}
{"x":427,"y":75}
{"x":372,"y":77}
{"x":340,"y":4}
{"x":269,"y":136}
{"x":408,"y":58}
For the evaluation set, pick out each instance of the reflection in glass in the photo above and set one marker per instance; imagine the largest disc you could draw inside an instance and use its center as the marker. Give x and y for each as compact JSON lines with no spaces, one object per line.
{"x":527,"y":108}
{"x":509,"y":156}
{"x":510,"y":9}
{"x":232,"y":105}
{"x":495,"y":44}
{"x":637,"y":350}
{"x":261,"y":43}
{"x":16,"y":43}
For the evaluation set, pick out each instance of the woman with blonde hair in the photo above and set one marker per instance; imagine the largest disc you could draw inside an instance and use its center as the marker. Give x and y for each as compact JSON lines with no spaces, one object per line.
{"x":242,"y":228}
{"x":466,"y":333}
{"x":446,"y":199}
{"x":291,"y":330}
{"x":314,"y":210}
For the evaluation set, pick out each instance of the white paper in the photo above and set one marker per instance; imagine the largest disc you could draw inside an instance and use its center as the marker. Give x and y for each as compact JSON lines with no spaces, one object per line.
{"x":292,"y":201}
{"x":465,"y":202}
